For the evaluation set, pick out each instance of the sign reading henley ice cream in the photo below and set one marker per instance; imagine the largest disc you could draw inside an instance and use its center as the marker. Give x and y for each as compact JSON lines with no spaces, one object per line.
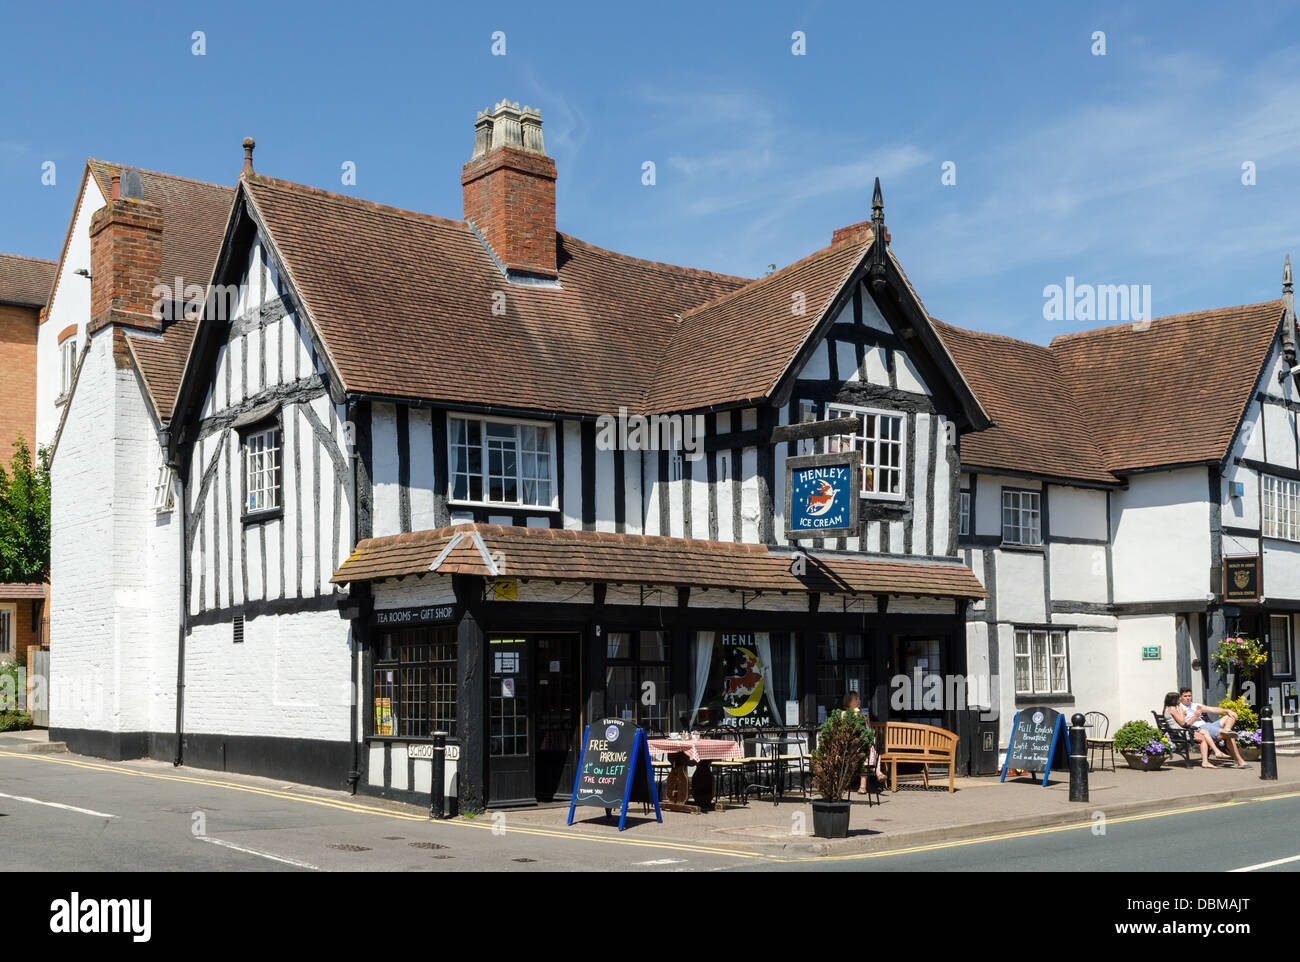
{"x":822,"y":495}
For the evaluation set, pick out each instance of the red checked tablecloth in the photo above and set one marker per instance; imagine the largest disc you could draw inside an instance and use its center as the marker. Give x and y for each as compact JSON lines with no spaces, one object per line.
{"x":702,"y":750}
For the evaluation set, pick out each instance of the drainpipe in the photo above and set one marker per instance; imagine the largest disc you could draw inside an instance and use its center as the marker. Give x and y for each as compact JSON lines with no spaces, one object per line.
{"x":184,"y":619}
{"x":354,"y":649}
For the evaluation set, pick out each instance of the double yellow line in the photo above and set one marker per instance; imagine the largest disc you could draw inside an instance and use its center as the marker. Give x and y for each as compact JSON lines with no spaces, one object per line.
{"x":486,"y":824}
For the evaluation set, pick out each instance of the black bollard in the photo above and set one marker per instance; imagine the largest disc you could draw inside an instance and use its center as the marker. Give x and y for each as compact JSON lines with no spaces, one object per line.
{"x":1267,"y":750}
{"x":1078,"y":758}
{"x":439,"y":775}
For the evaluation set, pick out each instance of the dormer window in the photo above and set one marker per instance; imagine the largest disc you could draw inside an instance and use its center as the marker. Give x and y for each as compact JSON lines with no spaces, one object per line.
{"x":882,"y":443}
{"x":163,"y":498}
{"x":501,"y":462}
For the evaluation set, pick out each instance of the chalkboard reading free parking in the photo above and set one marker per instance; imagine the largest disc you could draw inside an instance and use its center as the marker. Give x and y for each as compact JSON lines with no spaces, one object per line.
{"x":614,"y":757}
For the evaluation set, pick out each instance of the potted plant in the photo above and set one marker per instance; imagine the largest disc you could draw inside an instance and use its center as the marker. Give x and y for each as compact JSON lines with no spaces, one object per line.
{"x":1142,"y":746}
{"x":1247,"y":727}
{"x":842,"y":746}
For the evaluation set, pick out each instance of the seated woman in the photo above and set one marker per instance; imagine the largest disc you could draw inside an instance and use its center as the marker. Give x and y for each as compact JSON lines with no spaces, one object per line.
{"x":853,"y":702}
{"x":1175,"y":718}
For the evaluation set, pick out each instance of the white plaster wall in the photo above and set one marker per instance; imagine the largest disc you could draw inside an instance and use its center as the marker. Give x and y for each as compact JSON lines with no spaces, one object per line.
{"x":605,"y":489}
{"x":385,"y":487}
{"x":1078,"y":572}
{"x":1240,"y":512}
{"x":71,"y":305}
{"x":290,"y":678}
{"x":1077,"y":512}
{"x":1279,"y":435}
{"x":1094,"y":676}
{"x":1161,"y":546}
{"x":1142,"y":684}
{"x":571,"y":500}
{"x":414,"y":590}
{"x":420,"y":431}
{"x":635,"y":596}
{"x":1281,"y":569}
{"x":1019,"y":586}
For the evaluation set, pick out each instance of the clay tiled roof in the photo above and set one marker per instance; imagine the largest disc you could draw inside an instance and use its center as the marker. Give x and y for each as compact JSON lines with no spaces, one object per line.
{"x":405,"y":304}
{"x":1173,"y":392}
{"x":1100,"y":403}
{"x":737,"y":347}
{"x":194,"y":221}
{"x":161,"y":362}
{"x":25,"y":281}
{"x":11,"y":592}
{"x":1040,"y":427}
{"x":564,"y":555}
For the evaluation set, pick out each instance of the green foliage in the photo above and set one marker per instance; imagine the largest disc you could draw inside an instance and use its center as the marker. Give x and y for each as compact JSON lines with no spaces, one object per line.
{"x":13,"y":721}
{"x":842,"y":746}
{"x":25,"y":517}
{"x":1136,"y":736}
{"x":1244,"y":656}
{"x":8,"y":686}
{"x":1247,"y":718}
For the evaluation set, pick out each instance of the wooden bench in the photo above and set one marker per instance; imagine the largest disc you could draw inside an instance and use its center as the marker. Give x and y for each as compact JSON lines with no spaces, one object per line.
{"x":1182,"y":740}
{"x":909,"y":743}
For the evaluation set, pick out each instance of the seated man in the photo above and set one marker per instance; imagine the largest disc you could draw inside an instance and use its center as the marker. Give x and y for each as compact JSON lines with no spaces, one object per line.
{"x":1174,"y":719}
{"x":1195,"y":716}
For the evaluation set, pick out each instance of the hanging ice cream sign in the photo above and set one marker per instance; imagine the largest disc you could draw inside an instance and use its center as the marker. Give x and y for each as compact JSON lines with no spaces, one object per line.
{"x":822,"y":495}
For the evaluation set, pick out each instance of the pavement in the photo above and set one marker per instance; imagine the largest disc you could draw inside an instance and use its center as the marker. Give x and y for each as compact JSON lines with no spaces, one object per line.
{"x":982,"y":808}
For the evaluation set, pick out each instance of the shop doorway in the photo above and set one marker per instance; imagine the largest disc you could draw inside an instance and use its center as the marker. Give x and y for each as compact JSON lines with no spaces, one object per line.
{"x":534,"y":718}
{"x":918,"y":660}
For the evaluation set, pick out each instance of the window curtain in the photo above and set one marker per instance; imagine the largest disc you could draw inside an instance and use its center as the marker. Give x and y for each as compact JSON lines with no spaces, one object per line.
{"x":783,"y":668}
{"x":703,"y":659}
{"x":763,"y":642}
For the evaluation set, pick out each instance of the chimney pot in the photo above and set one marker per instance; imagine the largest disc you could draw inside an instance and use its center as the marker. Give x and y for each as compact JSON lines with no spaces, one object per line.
{"x":117,"y":185}
{"x":249,"y":144}
{"x":510,"y":193}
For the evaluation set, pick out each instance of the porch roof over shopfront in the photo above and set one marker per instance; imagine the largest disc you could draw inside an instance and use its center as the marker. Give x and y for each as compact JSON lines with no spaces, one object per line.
{"x":499,"y":551}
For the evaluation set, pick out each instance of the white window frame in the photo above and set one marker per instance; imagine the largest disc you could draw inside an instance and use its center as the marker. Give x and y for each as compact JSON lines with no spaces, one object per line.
{"x":263,"y":482}
{"x":8,"y":619}
{"x":1028,"y":519}
{"x":872,"y":473}
{"x":807,"y":414}
{"x":163,"y":489}
{"x":963,"y":513}
{"x":67,"y":364}
{"x":1280,"y":507}
{"x":1042,"y":654}
{"x":549,"y":428}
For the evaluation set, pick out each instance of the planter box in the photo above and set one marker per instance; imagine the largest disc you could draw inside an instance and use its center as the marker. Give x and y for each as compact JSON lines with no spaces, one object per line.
{"x":831,"y":819}
{"x":1250,"y":752}
{"x":1144,"y":763}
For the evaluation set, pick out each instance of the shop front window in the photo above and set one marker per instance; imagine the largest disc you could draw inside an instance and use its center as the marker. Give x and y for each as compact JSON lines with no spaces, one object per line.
{"x":842,"y":667}
{"x":637,"y":686}
{"x":1279,"y":641}
{"x":415,"y":682}
{"x":743,"y":678}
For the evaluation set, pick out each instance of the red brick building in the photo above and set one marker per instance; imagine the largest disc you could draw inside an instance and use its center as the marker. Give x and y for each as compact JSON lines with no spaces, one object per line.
{"x":24,"y":291}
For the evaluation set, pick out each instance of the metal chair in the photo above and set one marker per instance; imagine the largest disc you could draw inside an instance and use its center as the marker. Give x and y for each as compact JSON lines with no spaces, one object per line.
{"x":1098,"y":726}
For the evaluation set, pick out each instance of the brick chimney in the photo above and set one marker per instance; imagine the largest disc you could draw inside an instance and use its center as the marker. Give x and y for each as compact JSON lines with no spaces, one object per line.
{"x":125,"y":258}
{"x":509,"y":187}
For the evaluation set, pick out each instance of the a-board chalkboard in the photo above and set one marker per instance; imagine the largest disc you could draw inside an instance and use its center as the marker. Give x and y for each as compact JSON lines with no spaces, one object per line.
{"x":1038,"y":738}
{"x":614,"y":759}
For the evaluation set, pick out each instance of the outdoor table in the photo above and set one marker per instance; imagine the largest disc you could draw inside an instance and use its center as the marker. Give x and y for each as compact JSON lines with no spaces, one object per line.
{"x":703,"y":752}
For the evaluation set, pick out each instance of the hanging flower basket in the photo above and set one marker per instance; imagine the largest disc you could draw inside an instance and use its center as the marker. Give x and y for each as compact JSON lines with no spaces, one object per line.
{"x":1243,"y":656}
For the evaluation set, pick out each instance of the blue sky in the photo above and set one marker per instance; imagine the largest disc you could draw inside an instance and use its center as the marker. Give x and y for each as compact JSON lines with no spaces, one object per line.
{"x":1117,"y":169}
